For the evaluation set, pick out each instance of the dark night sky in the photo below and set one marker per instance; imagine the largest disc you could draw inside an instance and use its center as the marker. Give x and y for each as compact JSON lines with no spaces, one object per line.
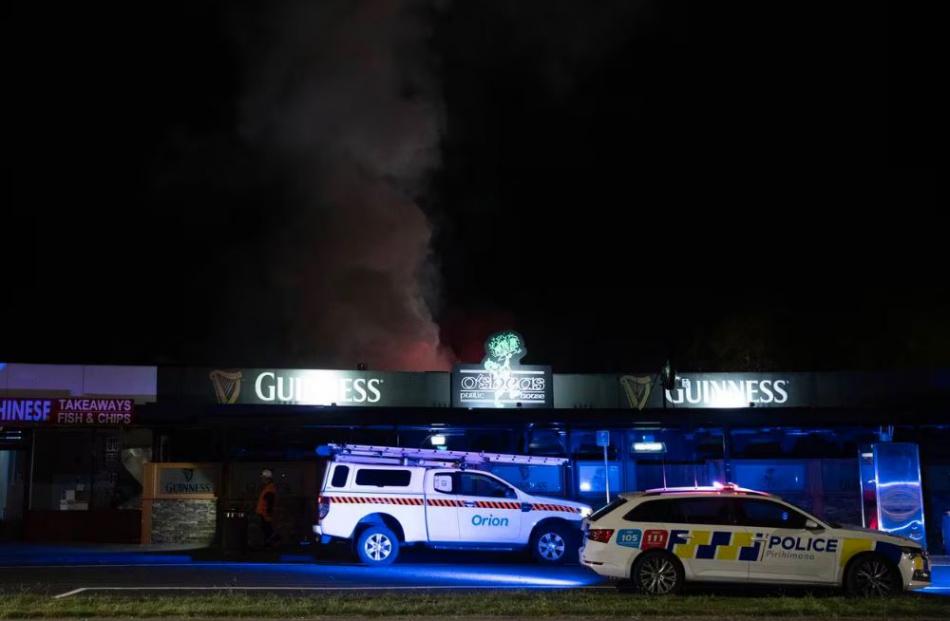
{"x":738,"y":186}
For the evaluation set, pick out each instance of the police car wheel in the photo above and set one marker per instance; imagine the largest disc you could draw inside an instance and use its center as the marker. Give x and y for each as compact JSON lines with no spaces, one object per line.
{"x":552,"y":544}
{"x":377,"y":545}
{"x":657,"y":573}
{"x":873,"y":576}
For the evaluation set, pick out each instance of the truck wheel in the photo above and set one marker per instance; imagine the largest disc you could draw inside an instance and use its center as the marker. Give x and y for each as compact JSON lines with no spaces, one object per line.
{"x":657,"y":573}
{"x":553,"y":544}
{"x":377,"y":545}
{"x":872,"y":575}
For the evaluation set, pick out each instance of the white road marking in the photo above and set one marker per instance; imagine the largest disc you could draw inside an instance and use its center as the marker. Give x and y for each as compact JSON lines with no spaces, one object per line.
{"x":68,"y":593}
{"x":313,"y":588}
{"x":208,"y":564}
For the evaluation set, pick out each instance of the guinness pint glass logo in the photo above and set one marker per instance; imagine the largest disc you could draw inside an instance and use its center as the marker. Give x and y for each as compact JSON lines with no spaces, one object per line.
{"x":637,"y":388}
{"x":227,"y":385}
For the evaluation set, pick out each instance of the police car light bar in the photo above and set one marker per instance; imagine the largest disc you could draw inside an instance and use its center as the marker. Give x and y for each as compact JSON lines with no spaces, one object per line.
{"x":728,"y":488}
{"x":364,"y":453}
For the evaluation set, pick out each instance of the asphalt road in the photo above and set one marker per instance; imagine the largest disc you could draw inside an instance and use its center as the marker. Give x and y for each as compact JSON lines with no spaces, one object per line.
{"x":63,"y":571}
{"x":55,"y":570}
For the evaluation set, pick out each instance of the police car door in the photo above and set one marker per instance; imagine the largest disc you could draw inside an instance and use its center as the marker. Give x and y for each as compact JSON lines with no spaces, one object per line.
{"x":442,"y":519}
{"x":490,"y":511}
{"x":789,"y":552}
{"x":707,"y":538}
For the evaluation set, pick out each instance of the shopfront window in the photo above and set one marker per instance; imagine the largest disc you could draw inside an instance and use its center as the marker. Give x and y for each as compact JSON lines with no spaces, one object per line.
{"x":13,"y":475}
{"x":552,"y":442}
{"x":591,"y":473}
{"x":771,"y":475}
{"x":86,"y":470}
{"x":592,"y":478}
{"x":532,"y":479}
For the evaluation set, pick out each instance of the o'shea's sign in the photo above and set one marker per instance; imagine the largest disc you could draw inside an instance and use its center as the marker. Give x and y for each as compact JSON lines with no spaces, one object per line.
{"x":73,"y":412}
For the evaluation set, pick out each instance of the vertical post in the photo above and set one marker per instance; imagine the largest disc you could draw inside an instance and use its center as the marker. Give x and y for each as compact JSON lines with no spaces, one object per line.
{"x":92,"y":468}
{"x":726,"y":454}
{"x":29,"y":495}
{"x":603,"y":439}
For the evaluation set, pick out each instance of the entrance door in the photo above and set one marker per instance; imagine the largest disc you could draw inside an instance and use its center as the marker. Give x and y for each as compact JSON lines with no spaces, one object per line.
{"x":13,"y":475}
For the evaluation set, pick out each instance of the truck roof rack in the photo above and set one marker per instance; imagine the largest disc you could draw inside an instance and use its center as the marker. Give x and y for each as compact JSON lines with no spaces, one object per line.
{"x":367,"y":454}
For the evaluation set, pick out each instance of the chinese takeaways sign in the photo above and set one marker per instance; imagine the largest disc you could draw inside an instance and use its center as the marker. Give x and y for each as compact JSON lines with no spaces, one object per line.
{"x":75,"y":412}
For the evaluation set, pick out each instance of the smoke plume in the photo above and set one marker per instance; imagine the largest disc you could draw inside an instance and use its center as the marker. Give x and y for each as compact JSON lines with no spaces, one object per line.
{"x":342,"y":98}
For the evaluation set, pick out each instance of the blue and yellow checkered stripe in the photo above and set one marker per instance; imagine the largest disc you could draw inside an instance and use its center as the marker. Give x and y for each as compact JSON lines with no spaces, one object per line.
{"x":721,"y":545}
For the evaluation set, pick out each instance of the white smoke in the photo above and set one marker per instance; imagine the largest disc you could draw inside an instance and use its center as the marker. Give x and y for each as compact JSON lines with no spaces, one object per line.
{"x":342,"y":95}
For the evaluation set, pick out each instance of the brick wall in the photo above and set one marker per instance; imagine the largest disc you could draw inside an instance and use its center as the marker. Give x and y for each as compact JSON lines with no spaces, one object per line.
{"x":184,"y":521}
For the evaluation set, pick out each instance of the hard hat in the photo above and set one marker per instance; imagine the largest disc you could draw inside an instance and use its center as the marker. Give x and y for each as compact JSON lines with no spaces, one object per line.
{"x":267,"y":473}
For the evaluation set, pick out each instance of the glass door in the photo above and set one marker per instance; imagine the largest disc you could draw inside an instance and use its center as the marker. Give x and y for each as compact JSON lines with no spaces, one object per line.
{"x":13,"y":479}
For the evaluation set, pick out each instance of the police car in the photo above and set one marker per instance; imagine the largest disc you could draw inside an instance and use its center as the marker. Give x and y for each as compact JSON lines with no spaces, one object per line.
{"x":661,"y":538}
{"x":382,"y":498}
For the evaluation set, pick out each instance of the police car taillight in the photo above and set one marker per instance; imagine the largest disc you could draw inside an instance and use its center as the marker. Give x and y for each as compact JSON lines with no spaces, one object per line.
{"x":323,"y":507}
{"x":601,"y":535}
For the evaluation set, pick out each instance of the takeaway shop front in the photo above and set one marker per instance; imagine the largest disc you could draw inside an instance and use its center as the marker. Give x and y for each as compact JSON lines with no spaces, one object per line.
{"x":69,"y":442}
{"x":821,"y":440}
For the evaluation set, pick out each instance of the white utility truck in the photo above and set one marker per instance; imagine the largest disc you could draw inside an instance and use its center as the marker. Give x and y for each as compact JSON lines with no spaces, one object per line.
{"x":382,"y":498}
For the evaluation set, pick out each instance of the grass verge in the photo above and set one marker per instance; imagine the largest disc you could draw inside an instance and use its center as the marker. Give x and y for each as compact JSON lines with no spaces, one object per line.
{"x":508,"y":603}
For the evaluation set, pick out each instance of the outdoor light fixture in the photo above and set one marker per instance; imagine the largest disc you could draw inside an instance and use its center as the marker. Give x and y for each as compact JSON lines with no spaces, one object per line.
{"x":649,"y":447}
{"x":437,"y":440}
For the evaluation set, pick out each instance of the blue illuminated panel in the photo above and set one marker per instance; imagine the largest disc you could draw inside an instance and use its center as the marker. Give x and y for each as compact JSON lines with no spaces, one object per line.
{"x":591,"y":479}
{"x":900,"y":503}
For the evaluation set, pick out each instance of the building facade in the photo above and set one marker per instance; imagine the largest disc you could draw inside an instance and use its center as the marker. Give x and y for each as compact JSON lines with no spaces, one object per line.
{"x":195,"y":440}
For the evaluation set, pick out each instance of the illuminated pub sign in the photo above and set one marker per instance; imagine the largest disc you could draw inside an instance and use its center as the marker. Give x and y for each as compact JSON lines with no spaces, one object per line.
{"x":65,"y":411}
{"x":260,"y":386}
{"x":501,"y":381}
{"x":721,"y":390}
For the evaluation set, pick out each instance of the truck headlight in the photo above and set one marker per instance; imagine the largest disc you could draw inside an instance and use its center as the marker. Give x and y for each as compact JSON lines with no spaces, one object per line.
{"x":585,"y":512}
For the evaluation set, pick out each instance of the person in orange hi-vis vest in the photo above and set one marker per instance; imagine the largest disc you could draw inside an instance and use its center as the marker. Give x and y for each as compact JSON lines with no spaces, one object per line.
{"x":266,"y":502}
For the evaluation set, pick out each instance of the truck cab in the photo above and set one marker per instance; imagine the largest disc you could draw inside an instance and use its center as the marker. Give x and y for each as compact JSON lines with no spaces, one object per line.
{"x":383,"y":498}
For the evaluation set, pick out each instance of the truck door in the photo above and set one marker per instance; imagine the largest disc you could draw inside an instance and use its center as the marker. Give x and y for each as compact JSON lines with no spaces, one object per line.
{"x":490,"y":511}
{"x":442,"y":520}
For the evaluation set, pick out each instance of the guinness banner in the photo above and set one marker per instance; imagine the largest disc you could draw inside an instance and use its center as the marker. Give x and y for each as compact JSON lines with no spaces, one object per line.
{"x":303,"y":387}
{"x":721,"y":390}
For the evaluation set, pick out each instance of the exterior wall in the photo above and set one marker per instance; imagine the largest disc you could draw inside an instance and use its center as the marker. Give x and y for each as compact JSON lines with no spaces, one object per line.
{"x":184,"y":521}
{"x":65,"y":380}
